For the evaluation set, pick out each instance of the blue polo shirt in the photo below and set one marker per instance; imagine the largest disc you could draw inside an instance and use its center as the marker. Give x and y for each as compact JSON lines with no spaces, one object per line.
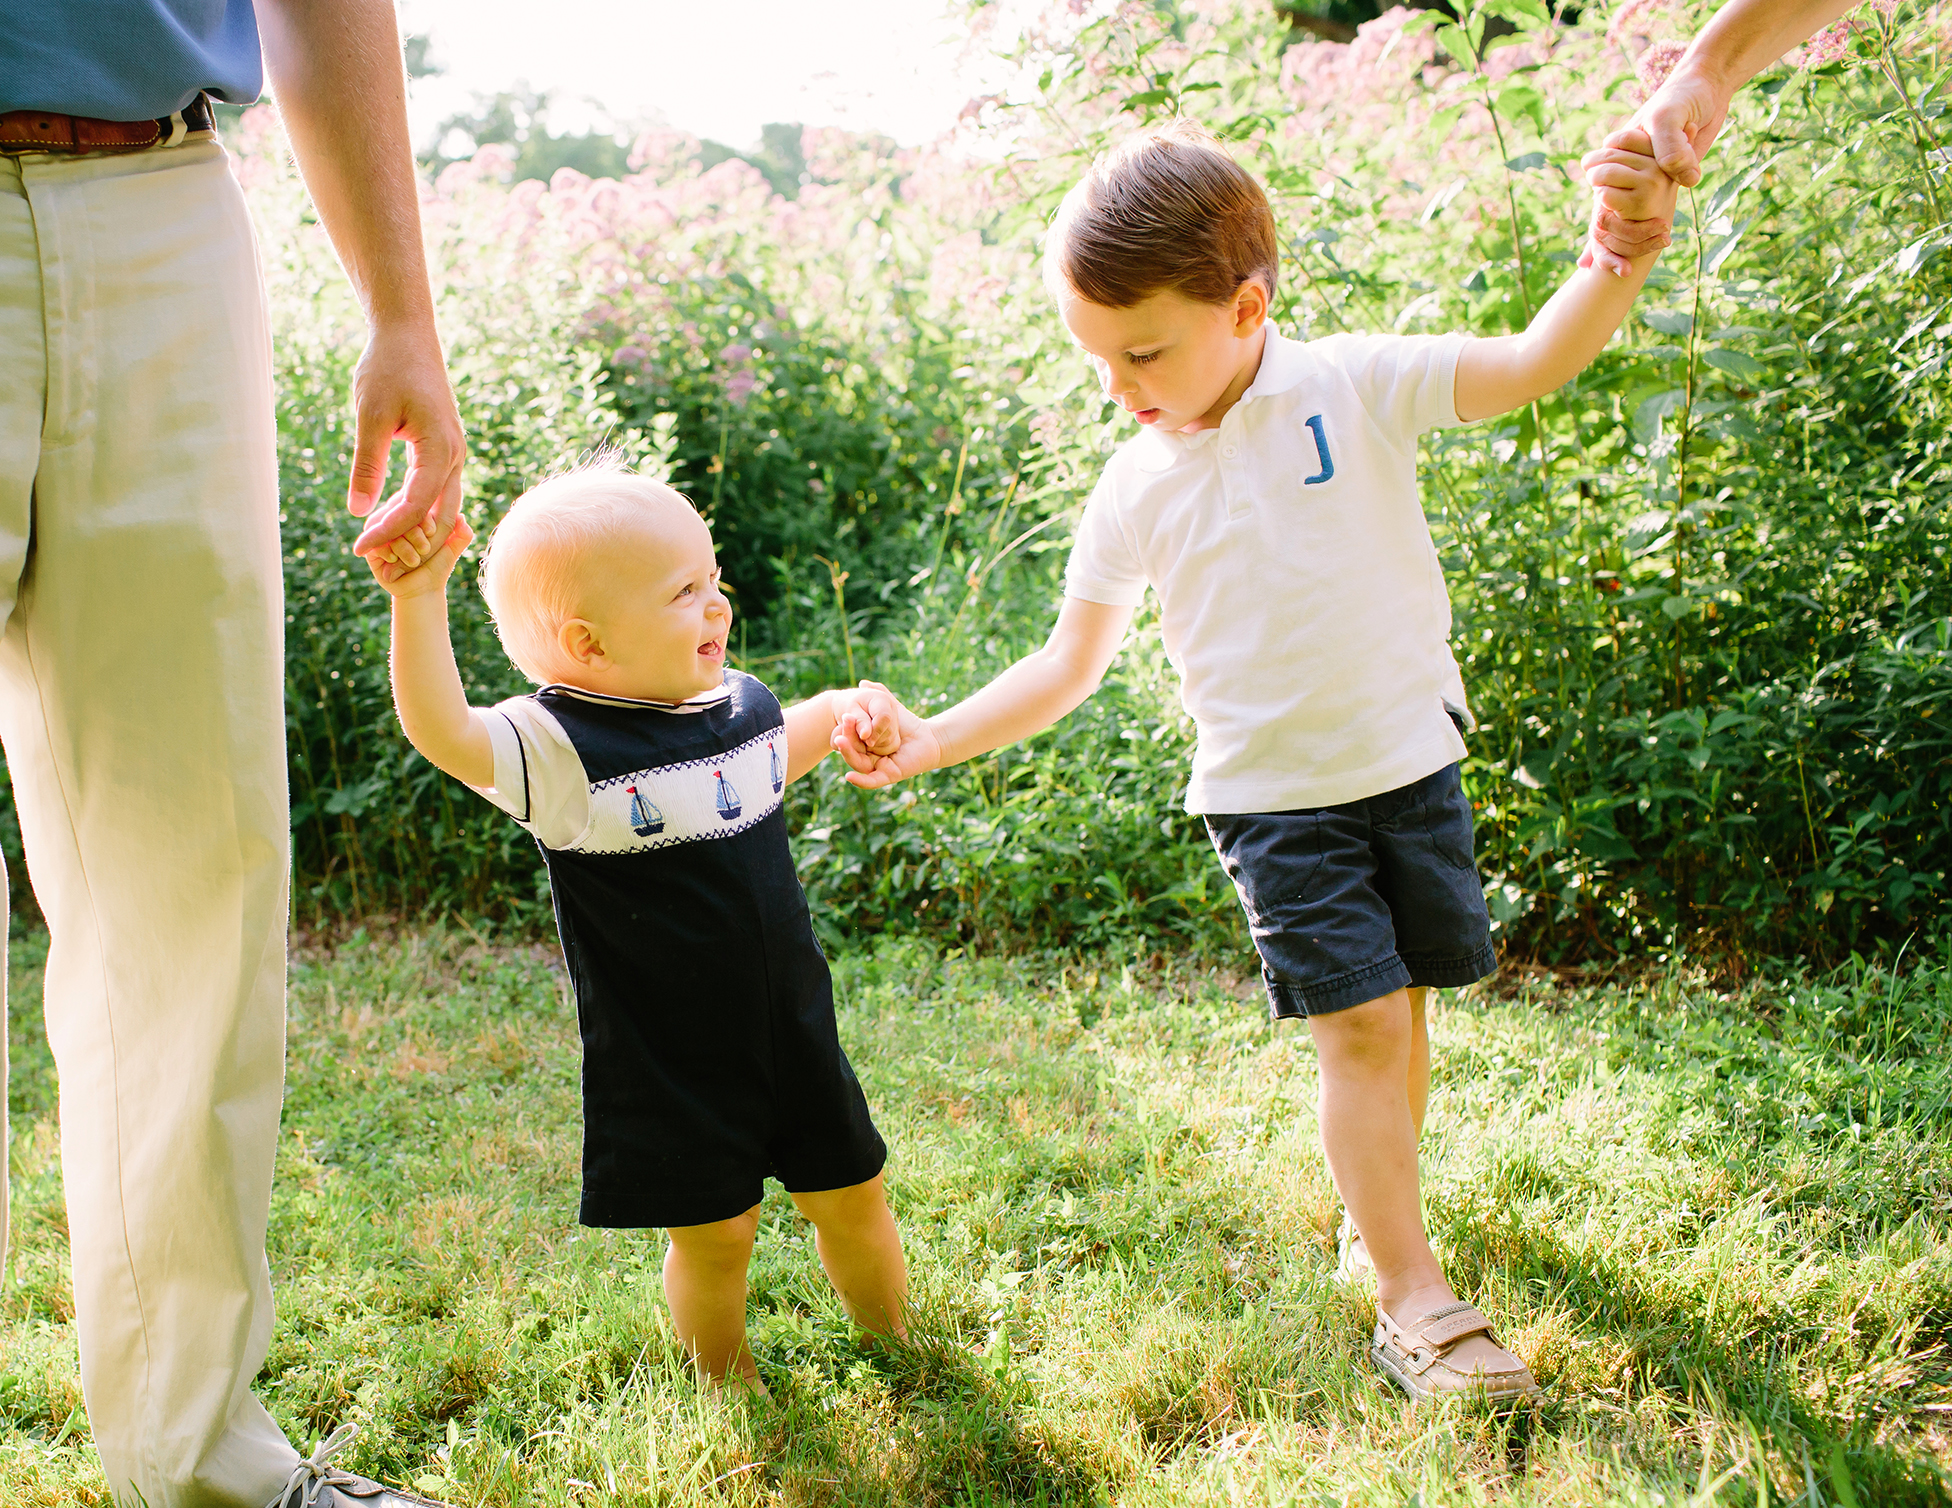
{"x":126,"y":59}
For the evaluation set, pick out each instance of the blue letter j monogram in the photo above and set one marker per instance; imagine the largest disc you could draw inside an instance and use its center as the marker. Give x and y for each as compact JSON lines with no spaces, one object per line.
{"x":1321,"y":449}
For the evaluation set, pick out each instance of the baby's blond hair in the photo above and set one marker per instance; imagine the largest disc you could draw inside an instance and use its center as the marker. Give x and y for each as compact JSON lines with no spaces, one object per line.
{"x":534,"y":573}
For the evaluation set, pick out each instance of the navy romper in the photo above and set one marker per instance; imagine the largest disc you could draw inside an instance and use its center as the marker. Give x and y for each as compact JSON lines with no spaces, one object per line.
{"x":710,"y":1058}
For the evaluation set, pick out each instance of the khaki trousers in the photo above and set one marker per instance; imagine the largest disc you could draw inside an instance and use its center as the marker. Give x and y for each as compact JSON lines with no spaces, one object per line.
{"x":142,"y":715}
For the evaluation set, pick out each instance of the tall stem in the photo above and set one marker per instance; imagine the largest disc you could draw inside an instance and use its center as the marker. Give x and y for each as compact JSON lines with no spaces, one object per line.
{"x":1682,"y":525}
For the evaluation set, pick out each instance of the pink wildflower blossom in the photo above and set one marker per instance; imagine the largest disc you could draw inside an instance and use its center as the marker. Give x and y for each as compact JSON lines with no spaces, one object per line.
{"x":1657,"y":62}
{"x":1632,"y":20}
{"x":1828,"y":45}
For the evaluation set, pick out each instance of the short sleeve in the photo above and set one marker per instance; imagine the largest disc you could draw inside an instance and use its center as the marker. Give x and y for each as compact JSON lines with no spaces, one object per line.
{"x":539,"y":777}
{"x":1408,"y":383}
{"x":1104,"y":567}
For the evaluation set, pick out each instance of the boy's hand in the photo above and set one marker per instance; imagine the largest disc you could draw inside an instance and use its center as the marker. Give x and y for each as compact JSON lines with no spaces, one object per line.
{"x":403,"y":571}
{"x":1633,"y":202}
{"x":881,"y":739}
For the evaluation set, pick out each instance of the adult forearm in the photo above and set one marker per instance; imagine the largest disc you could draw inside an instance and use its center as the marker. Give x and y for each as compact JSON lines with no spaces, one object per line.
{"x":336,"y":72}
{"x":1746,"y":36}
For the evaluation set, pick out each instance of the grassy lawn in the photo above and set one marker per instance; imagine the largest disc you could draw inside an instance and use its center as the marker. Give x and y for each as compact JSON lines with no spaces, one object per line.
{"x":1716,"y":1226}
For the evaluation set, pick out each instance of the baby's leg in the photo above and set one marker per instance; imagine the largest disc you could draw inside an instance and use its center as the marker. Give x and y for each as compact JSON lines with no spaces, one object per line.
{"x":1369,"y":1132}
{"x":705,"y":1285}
{"x":860,"y":1247}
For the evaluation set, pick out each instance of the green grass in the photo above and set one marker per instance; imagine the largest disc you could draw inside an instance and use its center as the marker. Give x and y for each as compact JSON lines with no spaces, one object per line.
{"x":1717,"y":1227}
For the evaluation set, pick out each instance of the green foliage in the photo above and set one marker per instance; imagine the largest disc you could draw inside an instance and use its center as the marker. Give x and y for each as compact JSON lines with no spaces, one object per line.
{"x":1702,"y":595}
{"x":1714,"y":1225}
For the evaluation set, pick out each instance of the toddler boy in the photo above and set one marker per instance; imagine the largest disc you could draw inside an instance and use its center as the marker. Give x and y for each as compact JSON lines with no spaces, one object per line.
{"x":1270,"y":499}
{"x":650,"y":776}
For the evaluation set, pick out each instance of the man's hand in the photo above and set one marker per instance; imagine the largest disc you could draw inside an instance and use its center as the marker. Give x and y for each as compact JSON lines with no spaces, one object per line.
{"x":400,"y":390}
{"x":335,"y":71}
{"x":427,"y":575}
{"x":1683,"y":119}
{"x":1633,"y":203}
{"x":881,"y":739}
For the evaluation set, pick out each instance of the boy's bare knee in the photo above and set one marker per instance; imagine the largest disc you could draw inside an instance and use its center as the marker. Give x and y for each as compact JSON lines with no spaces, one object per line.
{"x":1373,"y":1035}
{"x":719,"y":1243}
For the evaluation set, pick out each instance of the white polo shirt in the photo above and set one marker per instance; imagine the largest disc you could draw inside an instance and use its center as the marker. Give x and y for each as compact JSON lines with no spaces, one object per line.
{"x":1301,"y":598}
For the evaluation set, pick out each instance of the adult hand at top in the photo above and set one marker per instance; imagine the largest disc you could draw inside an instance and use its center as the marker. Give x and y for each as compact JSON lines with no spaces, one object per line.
{"x":400,"y":391}
{"x":1686,"y":112}
{"x":336,"y":74}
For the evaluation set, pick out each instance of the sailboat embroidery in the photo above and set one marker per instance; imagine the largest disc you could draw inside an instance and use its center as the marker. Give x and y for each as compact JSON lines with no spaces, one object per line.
{"x":645,"y":818}
{"x":728,"y":797}
{"x":779,"y":775}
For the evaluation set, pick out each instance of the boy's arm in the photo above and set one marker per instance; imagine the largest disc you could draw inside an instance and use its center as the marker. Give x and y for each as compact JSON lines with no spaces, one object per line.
{"x":1027,"y":698}
{"x":1504,"y":372}
{"x":427,"y":690}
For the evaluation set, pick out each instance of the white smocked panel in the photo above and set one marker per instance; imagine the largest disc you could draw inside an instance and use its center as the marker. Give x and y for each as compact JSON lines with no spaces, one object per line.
{"x":691,"y":802}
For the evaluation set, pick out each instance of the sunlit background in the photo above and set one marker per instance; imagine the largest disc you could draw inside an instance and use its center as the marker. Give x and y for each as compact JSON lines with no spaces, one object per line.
{"x":899,"y":68}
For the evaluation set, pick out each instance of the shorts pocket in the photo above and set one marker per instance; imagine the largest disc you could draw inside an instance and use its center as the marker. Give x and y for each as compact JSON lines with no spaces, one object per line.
{"x":1272,"y":857}
{"x":1447,"y":819}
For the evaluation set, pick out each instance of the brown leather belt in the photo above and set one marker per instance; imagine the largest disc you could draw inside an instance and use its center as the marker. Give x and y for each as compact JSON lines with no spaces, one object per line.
{"x":23,"y":131}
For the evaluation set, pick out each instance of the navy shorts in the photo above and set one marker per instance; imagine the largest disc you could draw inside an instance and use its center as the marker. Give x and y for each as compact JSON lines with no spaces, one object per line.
{"x":1349,"y":903}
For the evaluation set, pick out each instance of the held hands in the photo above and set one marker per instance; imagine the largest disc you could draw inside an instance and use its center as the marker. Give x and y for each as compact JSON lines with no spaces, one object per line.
{"x":1633,"y":202}
{"x":430,"y":567}
{"x":880,"y":739}
{"x":400,"y":391}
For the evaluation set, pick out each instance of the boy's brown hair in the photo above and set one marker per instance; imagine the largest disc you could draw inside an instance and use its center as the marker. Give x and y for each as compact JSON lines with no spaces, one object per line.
{"x":1166,"y":210}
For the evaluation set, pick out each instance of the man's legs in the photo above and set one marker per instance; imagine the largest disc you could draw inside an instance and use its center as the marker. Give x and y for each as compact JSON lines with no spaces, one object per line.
{"x":141,"y":709}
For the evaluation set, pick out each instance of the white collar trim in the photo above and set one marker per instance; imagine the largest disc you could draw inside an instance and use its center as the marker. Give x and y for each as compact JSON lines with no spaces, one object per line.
{"x":697,"y":703}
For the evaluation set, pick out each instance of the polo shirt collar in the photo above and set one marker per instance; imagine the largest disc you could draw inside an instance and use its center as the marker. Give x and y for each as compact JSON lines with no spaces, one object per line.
{"x":1284,"y":363}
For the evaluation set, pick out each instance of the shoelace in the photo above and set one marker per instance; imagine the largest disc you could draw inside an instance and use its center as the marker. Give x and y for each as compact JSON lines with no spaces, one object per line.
{"x":311,"y":1476}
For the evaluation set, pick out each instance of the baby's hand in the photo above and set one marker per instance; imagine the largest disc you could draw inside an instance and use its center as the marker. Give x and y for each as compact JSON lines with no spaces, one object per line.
{"x":881,"y":739}
{"x":867,"y":723}
{"x":409,"y":569}
{"x":1633,"y":202}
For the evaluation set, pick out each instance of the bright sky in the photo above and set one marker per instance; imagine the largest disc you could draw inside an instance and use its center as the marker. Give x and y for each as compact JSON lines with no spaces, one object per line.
{"x":718,"y":69}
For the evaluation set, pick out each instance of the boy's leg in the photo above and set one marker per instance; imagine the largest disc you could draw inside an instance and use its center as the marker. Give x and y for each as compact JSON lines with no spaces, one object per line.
{"x":1369,"y":1134}
{"x":705,"y":1285}
{"x":860,"y":1247}
{"x":1419,"y":1058}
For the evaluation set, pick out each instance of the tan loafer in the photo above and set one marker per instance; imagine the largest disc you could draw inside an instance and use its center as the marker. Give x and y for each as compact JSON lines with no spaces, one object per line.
{"x":1415,"y":1358}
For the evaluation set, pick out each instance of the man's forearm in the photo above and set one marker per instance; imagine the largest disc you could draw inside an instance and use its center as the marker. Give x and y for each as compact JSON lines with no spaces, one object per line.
{"x":1746,"y":36}
{"x":336,"y":73}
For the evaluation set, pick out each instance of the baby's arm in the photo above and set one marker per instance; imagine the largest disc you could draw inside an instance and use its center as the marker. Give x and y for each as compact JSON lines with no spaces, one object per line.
{"x":1027,"y":698}
{"x":1504,"y":372}
{"x":427,"y":691}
